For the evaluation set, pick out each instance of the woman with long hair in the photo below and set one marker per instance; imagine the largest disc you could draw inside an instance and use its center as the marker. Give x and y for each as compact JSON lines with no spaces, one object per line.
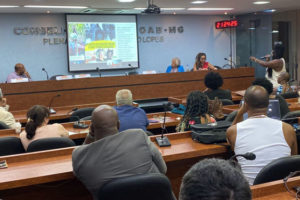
{"x":37,"y":126}
{"x":201,"y":63}
{"x":196,"y":111}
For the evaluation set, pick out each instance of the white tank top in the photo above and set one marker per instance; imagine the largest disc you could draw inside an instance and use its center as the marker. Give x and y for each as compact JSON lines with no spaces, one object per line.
{"x":263,"y":137}
{"x":275,"y":75}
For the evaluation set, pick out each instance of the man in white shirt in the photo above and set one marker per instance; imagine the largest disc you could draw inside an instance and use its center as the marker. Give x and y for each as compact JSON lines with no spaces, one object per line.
{"x":267,"y":138}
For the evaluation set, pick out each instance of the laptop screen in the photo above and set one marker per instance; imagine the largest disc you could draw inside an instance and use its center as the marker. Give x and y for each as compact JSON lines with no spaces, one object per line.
{"x":273,"y":110}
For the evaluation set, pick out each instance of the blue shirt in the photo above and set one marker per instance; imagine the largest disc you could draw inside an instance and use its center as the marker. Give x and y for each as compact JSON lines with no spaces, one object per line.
{"x":179,"y":69}
{"x":132,"y":117}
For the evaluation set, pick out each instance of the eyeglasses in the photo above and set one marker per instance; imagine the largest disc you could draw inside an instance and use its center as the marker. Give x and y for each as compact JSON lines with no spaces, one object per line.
{"x":296,"y":188}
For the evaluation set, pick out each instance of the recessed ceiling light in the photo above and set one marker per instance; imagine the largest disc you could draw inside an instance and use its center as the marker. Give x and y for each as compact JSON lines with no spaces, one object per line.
{"x":209,"y":9}
{"x":270,"y":11}
{"x":261,"y":2}
{"x":275,"y":31}
{"x":172,"y":9}
{"x":198,"y":2}
{"x":126,"y":1}
{"x":7,"y":6}
{"x":48,"y":11}
{"x":65,"y":7}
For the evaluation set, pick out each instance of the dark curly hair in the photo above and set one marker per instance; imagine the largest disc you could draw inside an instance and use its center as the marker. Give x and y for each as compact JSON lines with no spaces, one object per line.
{"x":213,"y":80}
{"x":196,"y":105}
{"x":36,"y":116}
{"x":265,"y":83}
{"x":198,"y":58}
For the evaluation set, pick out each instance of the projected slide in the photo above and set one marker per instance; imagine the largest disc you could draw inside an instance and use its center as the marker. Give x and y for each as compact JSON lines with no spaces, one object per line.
{"x":102,"y":41}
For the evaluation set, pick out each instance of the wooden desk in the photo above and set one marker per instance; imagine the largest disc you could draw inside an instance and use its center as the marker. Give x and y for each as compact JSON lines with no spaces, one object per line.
{"x":21,"y":96}
{"x":172,"y":120}
{"x":274,"y":190}
{"x":27,"y":174}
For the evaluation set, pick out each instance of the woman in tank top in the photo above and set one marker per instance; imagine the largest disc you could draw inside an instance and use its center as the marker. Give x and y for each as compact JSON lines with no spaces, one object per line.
{"x":274,"y":66}
{"x":201,"y":63}
{"x":196,"y":111}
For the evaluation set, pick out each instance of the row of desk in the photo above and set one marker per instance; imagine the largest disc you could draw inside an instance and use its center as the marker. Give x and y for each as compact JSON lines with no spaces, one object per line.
{"x":48,"y":174}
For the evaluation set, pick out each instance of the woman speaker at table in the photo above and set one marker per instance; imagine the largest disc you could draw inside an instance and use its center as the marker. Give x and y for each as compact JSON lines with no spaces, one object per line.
{"x":201,"y":63}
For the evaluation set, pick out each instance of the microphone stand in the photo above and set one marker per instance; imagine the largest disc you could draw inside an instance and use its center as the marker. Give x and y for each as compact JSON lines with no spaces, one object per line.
{"x":247,"y":156}
{"x":46,"y":73}
{"x":78,"y":123}
{"x":98,"y":69}
{"x":162,"y":140}
{"x":52,"y":111}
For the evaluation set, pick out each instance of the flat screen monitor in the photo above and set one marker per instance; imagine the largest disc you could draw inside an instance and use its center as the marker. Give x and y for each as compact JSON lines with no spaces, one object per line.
{"x":104,"y":42}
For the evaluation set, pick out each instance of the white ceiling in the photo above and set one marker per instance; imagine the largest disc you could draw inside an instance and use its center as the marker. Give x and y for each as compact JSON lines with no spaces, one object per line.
{"x":113,"y":6}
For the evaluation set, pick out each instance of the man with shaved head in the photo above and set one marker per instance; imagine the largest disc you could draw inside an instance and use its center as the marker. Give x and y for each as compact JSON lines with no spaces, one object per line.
{"x":267,"y":138}
{"x":20,"y":72}
{"x":130,"y":116}
{"x":109,"y":154}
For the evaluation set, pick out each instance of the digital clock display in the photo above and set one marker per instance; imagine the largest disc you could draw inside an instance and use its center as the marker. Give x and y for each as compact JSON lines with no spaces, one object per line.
{"x":227,"y":24}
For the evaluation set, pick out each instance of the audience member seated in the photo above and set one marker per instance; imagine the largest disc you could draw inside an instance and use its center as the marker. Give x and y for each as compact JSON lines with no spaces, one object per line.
{"x":214,"y":179}
{"x":20,"y":72}
{"x":196,"y":111}
{"x":284,"y":87}
{"x":129,"y":116}
{"x":8,"y":118}
{"x":265,"y":83}
{"x":108,"y":154}
{"x":213,"y":81}
{"x":37,"y":128}
{"x":3,"y":101}
{"x":267,"y":138}
{"x":201,"y":63}
{"x":175,"y":66}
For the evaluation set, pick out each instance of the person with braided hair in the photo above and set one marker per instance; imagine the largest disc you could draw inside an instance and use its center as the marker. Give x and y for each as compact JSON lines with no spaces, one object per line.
{"x":196,"y":111}
{"x":37,"y":128}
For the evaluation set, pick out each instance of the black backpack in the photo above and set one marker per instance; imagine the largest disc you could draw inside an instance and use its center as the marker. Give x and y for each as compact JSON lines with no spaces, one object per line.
{"x":210,"y":133}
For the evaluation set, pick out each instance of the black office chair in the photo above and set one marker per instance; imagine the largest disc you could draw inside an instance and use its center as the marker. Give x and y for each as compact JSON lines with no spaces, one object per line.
{"x":86,"y":118}
{"x":81,"y":113}
{"x":290,"y":115}
{"x":290,"y":95}
{"x":226,"y":102}
{"x":10,"y":146}
{"x":278,"y":169}
{"x":145,"y":187}
{"x":54,"y":77}
{"x":50,"y":143}
{"x":3,"y":126}
{"x":231,"y":116}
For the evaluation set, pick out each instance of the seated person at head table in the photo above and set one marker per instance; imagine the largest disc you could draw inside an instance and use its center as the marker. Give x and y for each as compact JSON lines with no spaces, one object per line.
{"x":108,"y":154}
{"x":196,"y":111}
{"x":273,"y":67}
{"x":201,"y":63}
{"x":214,"y":179}
{"x":213,"y":81}
{"x":283,"y":80}
{"x":267,"y":138}
{"x":20,"y":72}
{"x":175,"y":66}
{"x":37,"y":126}
{"x":7,"y":117}
{"x":129,"y":116}
{"x":284,"y":107}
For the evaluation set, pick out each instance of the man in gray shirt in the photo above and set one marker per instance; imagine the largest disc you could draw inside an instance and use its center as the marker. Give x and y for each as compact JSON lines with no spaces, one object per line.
{"x":108,"y":154}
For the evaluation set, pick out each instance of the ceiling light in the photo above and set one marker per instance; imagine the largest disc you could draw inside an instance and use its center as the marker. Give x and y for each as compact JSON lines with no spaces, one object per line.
{"x":126,"y":1}
{"x":6,"y":6}
{"x":261,"y":2}
{"x":270,"y":11}
{"x":275,"y":31}
{"x":166,"y":9}
{"x":65,"y":7}
{"x":198,"y":2}
{"x":209,"y":9}
{"x":139,"y":8}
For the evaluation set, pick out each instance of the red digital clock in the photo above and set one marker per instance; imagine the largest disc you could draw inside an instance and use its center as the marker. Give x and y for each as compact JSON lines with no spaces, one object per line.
{"x":227,"y":24}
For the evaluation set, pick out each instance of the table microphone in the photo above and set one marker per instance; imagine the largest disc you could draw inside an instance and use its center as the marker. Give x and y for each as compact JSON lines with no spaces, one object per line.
{"x":78,"y":123}
{"x":247,"y":156}
{"x":43,"y":69}
{"x":162,"y":140}
{"x":52,"y":111}
{"x":98,"y":70}
{"x":231,"y":62}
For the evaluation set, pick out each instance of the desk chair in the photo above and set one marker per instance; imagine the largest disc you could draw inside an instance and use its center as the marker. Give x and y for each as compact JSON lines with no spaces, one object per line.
{"x":144,"y":186}
{"x":278,"y":169}
{"x":290,"y":95}
{"x":290,"y":115}
{"x":3,"y":126}
{"x":50,"y":143}
{"x":231,"y":116}
{"x":81,"y":113}
{"x":226,"y":102}
{"x":10,"y":145}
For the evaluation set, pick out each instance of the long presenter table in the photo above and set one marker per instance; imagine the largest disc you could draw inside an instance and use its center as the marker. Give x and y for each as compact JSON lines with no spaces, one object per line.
{"x":48,"y":174}
{"x":21,"y":96}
